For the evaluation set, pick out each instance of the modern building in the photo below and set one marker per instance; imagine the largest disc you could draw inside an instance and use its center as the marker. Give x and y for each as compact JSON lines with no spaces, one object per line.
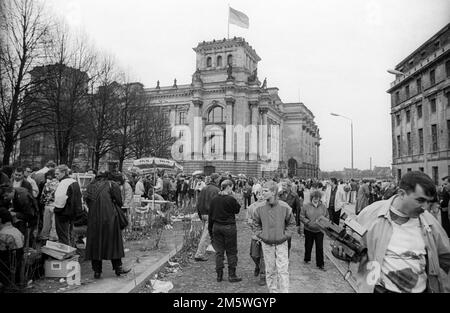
{"x":420,"y":109}
{"x":226,"y":120}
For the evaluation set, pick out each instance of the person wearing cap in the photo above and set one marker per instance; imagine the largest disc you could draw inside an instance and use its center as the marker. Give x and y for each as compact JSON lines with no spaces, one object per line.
{"x":274,"y":224}
{"x":203,"y":208}
{"x":222,"y":229}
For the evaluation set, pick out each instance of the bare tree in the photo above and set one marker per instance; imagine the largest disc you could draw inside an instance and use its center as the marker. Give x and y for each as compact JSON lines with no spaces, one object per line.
{"x":131,"y":105}
{"x":103,"y":110}
{"x":25,"y":30}
{"x":151,"y":134}
{"x":64,"y":92}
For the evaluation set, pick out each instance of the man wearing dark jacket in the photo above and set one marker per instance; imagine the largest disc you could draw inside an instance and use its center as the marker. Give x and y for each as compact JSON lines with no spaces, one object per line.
{"x":293,"y":201}
{"x":20,"y":180}
{"x":203,"y":207}
{"x":24,"y":209}
{"x":222,"y":229}
{"x":67,"y":204}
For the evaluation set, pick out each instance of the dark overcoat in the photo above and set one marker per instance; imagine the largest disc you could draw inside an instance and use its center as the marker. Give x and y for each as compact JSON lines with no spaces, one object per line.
{"x":104,"y":237}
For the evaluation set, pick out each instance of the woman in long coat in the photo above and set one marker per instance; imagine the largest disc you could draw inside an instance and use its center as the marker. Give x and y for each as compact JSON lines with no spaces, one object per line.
{"x":362,"y":199}
{"x":104,"y":237}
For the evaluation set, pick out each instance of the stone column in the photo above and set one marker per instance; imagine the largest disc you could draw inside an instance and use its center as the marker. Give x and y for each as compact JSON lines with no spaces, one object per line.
{"x":253,"y":142}
{"x":172,"y":116}
{"x":197,"y":129}
{"x":263,"y":133}
{"x":229,"y":153}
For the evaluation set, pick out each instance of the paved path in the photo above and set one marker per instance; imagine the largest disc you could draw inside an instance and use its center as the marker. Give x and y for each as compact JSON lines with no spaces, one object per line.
{"x":200,"y":277}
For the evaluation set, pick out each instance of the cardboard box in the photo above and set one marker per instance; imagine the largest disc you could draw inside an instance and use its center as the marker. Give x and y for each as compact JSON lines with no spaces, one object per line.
{"x":56,"y":268}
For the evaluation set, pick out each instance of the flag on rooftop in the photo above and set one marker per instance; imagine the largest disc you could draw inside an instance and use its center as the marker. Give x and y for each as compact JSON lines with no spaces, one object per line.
{"x":238,"y":18}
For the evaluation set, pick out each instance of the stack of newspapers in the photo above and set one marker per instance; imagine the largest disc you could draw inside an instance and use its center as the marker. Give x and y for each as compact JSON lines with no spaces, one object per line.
{"x":58,"y":250}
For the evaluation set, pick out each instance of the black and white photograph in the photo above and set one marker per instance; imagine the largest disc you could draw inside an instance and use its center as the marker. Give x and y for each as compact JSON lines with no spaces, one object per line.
{"x":224,"y":151}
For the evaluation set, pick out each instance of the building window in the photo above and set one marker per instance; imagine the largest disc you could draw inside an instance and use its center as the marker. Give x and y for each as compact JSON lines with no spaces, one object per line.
{"x":420,"y":140}
{"x":397,"y":97}
{"x":230,"y":60}
{"x":447,"y":68}
{"x":436,"y":175}
{"x":408,"y":141}
{"x":181,"y":118}
{"x":433,"y":105}
{"x":399,"y":174}
{"x":432,"y":77}
{"x":434,"y":137}
{"x":407,"y":91}
{"x":419,"y":85}
{"x":216,"y":115}
{"x":36,"y":148}
{"x":448,"y":134}
{"x":219,"y":61}
{"x":419,"y":111}
{"x":208,"y":62}
{"x":447,"y":95}
{"x":408,"y":116}
{"x":397,"y":117}
{"x":421,"y":169}
{"x":213,"y":146}
{"x":399,"y":151}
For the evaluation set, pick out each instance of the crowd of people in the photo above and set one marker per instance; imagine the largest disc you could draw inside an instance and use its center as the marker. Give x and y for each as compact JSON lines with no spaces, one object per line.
{"x":37,"y":205}
{"x":276,"y":208}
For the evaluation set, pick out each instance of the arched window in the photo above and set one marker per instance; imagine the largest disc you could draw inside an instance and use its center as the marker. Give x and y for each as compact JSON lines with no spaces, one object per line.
{"x":219,"y":61}
{"x":208,"y":62}
{"x":230,"y":59}
{"x":216,"y":115}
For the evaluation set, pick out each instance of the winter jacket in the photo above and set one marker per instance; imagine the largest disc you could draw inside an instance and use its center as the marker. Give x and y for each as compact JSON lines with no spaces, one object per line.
{"x":377,"y":220}
{"x":275,"y":223}
{"x":309,"y":215}
{"x":205,"y":197}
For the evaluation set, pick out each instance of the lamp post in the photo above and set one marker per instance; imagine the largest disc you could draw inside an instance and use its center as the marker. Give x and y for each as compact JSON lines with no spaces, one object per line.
{"x":351,"y":126}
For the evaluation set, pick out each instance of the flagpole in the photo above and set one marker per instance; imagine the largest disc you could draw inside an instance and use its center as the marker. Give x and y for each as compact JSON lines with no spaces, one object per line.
{"x":228,"y":21}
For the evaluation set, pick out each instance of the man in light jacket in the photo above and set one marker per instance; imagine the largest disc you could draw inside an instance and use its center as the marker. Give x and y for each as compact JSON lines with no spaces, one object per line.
{"x":68,"y":204}
{"x":408,"y":251}
{"x":274,"y":224}
{"x":335,"y":200}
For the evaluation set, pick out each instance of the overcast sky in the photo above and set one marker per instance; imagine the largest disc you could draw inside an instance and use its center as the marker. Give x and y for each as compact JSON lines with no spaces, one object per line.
{"x":331,"y":55}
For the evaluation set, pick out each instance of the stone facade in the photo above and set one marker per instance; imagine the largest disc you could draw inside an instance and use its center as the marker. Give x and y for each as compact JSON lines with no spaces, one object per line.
{"x":420,"y":110}
{"x":228,"y":121}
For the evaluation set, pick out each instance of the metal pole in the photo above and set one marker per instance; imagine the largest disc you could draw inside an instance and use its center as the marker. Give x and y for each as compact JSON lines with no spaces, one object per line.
{"x":351,"y":124}
{"x":228,"y":21}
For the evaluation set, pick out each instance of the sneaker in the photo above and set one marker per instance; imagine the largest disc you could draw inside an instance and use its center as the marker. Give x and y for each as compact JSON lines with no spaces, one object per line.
{"x":322,"y":268}
{"x":306,"y":262}
{"x":201,"y":259}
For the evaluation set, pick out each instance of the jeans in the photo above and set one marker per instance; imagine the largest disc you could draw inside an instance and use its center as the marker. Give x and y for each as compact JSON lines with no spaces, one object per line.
{"x":204,"y":239}
{"x":247,"y":201}
{"x":277,"y":267}
{"x":97,"y":265}
{"x":334,"y":215}
{"x":49,"y":229}
{"x":225,"y":240}
{"x":310,"y":239}
{"x":63,"y":229}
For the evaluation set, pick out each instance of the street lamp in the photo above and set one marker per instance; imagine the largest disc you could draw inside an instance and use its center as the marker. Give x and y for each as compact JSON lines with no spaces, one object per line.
{"x":351,"y":125}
